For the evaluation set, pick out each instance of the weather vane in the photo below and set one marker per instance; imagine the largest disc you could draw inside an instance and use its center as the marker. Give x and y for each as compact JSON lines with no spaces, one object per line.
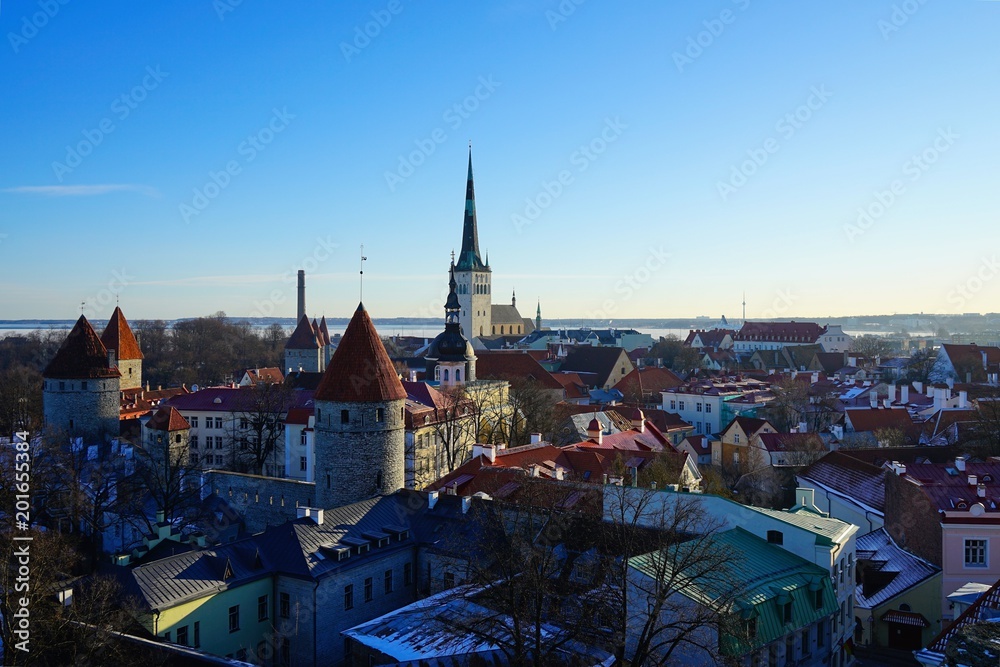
{"x":83,"y":306}
{"x":362,"y":271}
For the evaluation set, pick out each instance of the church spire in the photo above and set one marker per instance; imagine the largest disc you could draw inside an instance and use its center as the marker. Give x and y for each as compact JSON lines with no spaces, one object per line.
{"x":538,"y":315}
{"x":469,"y":258}
{"x":451,"y":306}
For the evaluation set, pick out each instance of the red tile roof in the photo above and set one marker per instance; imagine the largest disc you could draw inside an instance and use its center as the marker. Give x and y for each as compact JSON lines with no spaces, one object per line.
{"x":82,"y":356}
{"x":864,"y":420}
{"x":304,"y":336}
{"x":788,"y":332}
{"x":949,"y":488}
{"x":360,"y":370}
{"x":323,"y":329}
{"x":653,"y":381}
{"x":118,"y":336}
{"x":167,"y":419}
{"x":515,"y":364}
{"x":270,"y":374}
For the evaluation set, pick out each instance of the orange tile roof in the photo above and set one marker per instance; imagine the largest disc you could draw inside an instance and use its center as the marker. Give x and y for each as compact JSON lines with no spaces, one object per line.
{"x":360,"y":370}
{"x":81,"y":356}
{"x":304,"y":337}
{"x":167,"y":419}
{"x":118,"y":336}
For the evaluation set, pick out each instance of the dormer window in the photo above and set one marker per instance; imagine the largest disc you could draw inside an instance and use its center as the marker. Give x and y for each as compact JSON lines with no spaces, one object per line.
{"x":775,"y":537}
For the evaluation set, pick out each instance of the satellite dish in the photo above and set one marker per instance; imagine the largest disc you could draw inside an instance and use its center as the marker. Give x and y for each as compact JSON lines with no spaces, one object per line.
{"x":194,"y":387}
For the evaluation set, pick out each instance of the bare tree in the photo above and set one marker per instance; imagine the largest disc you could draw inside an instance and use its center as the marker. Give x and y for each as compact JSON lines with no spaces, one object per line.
{"x":668,"y":550}
{"x":257,"y":426}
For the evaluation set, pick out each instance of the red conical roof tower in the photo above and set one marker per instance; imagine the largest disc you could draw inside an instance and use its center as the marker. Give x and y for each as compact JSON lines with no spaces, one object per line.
{"x":118,"y":336}
{"x":360,"y":370}
{"x":82,"y":356}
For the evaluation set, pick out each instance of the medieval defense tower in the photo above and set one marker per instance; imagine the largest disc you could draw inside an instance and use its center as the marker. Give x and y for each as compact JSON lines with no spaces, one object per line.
{"x":359,"y":439}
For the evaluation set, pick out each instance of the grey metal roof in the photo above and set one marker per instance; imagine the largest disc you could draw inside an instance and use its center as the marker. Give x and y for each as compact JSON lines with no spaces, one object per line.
{"x":908,"y":570}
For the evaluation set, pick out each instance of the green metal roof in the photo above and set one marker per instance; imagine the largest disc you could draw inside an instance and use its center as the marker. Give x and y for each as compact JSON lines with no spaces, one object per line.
{"x":828,"y":531}
{"x":769,"y":577}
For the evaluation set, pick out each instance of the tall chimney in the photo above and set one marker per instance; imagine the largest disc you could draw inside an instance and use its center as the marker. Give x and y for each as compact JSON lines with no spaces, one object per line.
{"x":302,"y":295}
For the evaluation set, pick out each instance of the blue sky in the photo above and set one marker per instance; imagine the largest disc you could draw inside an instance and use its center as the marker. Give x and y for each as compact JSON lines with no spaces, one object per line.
{"x":642,"y":159}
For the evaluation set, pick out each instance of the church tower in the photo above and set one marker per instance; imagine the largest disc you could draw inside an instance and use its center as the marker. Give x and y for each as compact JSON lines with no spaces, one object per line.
{"x":451,"y":361}
{"x":81,"y":387}
{"x":118,"y":337}
{"x":359,"y":438}
{"x":472,"y":275}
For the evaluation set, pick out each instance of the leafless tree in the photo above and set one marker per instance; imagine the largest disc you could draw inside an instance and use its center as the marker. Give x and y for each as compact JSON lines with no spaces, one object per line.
{"x":258,"y":426}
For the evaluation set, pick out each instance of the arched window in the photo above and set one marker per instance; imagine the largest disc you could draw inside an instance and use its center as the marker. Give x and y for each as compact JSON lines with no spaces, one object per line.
{"x":458,"y":375}
{"x":501,"y":329}
{"x":444,"y":375}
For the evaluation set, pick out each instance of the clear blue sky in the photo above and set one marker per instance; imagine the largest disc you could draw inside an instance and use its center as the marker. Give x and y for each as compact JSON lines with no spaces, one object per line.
{"x":157,"y":96}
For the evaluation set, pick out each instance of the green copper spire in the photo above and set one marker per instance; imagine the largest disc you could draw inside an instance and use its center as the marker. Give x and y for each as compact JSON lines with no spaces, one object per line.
{"x":469,"y":258}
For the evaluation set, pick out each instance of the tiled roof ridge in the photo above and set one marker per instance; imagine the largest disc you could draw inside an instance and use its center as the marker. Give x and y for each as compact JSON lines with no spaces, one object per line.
{"x":118,"y":336}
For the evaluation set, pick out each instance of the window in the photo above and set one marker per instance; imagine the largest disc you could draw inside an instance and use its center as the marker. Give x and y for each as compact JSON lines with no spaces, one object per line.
{"x":303,"y":440}
{"x":345,"y":416}
{"x":449,"y":580}
{"x":197,"y":634}
{"x":697,"y":407}
{"x":218,"y":442}
{"x":736,"y":438}
{"x":62,"y":387}
{"x":284,"y":605}
{"x":262,"y":608}
{"x":407,"y":574}
{"x":379,"y":415}
{"x":182,"y":635}
{"x":975,"y":553}
{"x":786,"y":612}
{"x":368,"y":589}
{"x":303,"y":463}
{"x":348,"y":597}
{"x":83,"y":385}
{"x":234,"y":618}
{"x":673,"y":405}
{"x":775,"y":537}
{"x":285,"y":650}
{"x":218,"y":460}
{"x":166,"y":635}
{"x":193,"y":421}
{"x":243,"y":423}
{"x":194,"y":441}
{"x":218,"y":422}
{"x":388,"y":581}
{"x":698,"y":425}
{"x":708,"y":408}
{"x":680,"y":405}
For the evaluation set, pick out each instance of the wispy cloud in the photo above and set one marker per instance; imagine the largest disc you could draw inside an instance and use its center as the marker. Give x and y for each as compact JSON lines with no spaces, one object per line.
{"x":81,"y":190}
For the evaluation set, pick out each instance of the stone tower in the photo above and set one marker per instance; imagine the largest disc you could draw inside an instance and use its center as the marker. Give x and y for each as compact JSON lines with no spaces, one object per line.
{"x":81,"y":386}
{"x":451,"y":361}
{"x":118,"y":337}
{"x":359,"y":439}
{"x":304,"y":349}
{"x":327,"y":342}
{"x":472,"y":275}
{"x":166,"y":438}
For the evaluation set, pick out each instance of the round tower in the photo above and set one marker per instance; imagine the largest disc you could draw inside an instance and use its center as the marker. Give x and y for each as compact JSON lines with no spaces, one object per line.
{"x":359,"y":438}
{"x":81,"y":386}
{"x":304,"y":349}
{"x":118,"y":338}
{"x":451,"y":360}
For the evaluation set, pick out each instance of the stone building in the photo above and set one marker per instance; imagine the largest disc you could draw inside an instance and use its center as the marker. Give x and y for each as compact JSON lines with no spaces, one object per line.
{"x":305,"y":349}
{"x":359,"y":441}
{"x":118,"y":338}
{"x":166,"y":437}
{"x":81,"y":387}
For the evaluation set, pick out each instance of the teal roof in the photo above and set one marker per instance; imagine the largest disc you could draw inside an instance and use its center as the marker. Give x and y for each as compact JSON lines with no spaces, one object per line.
{"x":767,"y":577}
{"x":828,"y":531}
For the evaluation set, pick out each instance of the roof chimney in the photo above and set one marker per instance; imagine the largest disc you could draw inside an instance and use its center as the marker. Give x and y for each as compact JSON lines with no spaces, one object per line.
{"x":536,"y":438}
{"x":960,"y":463}
{"x":302,"y":296}
{"x":973,"y":480}
{"x":873,"y":398}
{"x":595,"y":431}
{"x":432,"y":498}
{"x":963,"y":399}
{"x":904,"y":394}
{"x":466,"y":504}
{"x":892,"y":394}
{"x":981,"y":490}
{"x":313,"y":513}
